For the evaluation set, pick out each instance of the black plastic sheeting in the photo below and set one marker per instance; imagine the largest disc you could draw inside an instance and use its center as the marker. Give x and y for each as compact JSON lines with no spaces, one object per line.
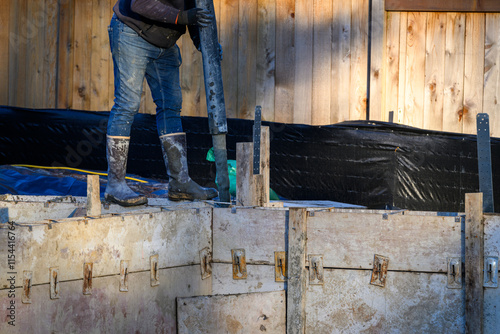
{"x":379,"y":165}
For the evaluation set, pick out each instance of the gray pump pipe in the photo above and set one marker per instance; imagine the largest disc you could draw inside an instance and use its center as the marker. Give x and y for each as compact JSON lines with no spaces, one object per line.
{"x":216,"y":107}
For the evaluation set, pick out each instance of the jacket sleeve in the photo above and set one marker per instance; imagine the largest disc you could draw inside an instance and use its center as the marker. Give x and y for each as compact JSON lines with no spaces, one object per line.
{"x":155,"y":10}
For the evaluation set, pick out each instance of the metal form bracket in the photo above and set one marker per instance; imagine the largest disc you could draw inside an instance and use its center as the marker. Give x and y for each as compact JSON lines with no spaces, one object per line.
{"x":256,"y":140}
{"x":454,"y":273}
{"x":155,"y":270}
{"x":54,"y":283}
{"x":27,"y":281}
{"x":206,"y":263}
{"x":87,"y":278}
{"x":484,"y":161}
{"x":379,"y":274}
{"x":280,"y":267}
{"x":239,"y":264}
{"x":123,"y":276}
{"x":491,"y":272}
{"x":316,"y":271}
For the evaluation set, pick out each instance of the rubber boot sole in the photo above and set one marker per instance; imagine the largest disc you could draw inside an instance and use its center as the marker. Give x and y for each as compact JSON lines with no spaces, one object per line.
{"x":140,"y":200}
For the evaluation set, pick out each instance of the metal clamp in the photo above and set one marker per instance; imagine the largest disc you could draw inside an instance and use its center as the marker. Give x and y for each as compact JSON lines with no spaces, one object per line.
{"x":280,"y":267}
{"x":154,"y":272}
{"x":454,"y":273}
{"x":379,"y":274}
{"x":206,"y":263}
{"x":27,"y":281}
{"x":316,"y":271}
{"x":239,"y":264}
{"x":491,"y":272}
{"x":54,"y":283}
{"x":123,"y":276}
{"x":87,"y":278}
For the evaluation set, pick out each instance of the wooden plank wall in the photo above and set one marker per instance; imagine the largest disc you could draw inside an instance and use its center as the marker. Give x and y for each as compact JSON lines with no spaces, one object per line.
{"x":303,"y":61}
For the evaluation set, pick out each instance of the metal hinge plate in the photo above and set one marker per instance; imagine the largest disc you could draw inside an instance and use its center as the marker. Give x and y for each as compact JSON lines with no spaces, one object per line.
{"x":123,"y":276}
{"x":87,"y":278}
{"x":155,"y":270}
{"x":54,"y":283}
{"x":27,"y":282}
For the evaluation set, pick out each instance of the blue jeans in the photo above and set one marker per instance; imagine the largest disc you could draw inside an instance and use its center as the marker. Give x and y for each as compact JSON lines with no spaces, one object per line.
{"x":135,"y":59}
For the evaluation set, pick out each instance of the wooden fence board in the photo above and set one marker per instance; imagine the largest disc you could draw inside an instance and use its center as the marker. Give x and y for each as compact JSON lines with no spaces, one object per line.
{"x":50,"y":54}
{"x":266,"y":57}
{"x":4,"y":51}
{"x":347,"y":303}
{"x":492,"y":73}
{"x":454,"y":73}
{"x":82,"y":55}
{"x":378,"y":111}
{"x":322,"y":63}
{"x":434,"y":71}
{"x":192,"y":84}
{"x":18,"y":53}
{"x":474,"y":71}
{"x":422,"y":235}
{"x":415,"y":73}
{"x":341,"y":61}
{"x":403,"y":37}
{"x":229,"y":18}
{"x":359,"y":48}
{"x":247,"y":58}
{"x":35,"y":24}
{"x":66,"y":54}
{"x":285,"y":61}
{"x":303,"y":85}
{"x":392,"y":64}
{"x":101,"y":56}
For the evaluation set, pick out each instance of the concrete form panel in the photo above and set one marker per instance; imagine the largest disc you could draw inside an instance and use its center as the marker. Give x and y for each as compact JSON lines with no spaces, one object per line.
{"x":143,"y":309}
{"x":412,"y":243}
{"x":491,"y":295}
{"x":247,"y":313}
{"x":261,"y":232}
{"x":260,"y":279}
{"x":409,"y":303}
{"x":176,"y":236}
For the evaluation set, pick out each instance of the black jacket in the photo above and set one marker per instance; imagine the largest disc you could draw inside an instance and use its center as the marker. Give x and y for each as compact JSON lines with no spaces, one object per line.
{"x":154,"y":20}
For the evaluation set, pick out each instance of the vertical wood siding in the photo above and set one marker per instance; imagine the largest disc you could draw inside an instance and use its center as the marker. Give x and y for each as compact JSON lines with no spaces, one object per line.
{"x":303,"y":61}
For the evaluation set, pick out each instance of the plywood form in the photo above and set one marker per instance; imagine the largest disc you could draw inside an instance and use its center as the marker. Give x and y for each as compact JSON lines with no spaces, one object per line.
{"x":491,"y":295}
{"x":250,"y":313}
{"x":261,"y":232}
{"x":409,"y":303}
{"x":176,"y":236}
{"x":412,"y":243}
{"x":143,"y":309}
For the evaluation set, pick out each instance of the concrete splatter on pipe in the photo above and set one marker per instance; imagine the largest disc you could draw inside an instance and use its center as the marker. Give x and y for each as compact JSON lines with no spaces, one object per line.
{"x":216,"y":106}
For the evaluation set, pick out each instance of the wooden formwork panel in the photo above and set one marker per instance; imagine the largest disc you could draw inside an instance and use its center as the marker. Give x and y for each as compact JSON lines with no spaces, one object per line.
{"x":143,"y":309}
{"x":409,"y":303}
{"x":261,"y":232}
{"x":491,"y":295}
{"x":413,"y":243}
{"x":260,"y":279}
{"x":176,"y":236}
{"x":245,"y":313}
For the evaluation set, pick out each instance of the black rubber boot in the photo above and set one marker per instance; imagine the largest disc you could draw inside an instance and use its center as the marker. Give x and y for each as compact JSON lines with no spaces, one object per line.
{"x":180,"y":185}
{"x":117,"y":190}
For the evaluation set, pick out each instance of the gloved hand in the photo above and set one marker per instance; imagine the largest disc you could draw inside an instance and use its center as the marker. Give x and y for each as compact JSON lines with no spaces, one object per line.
{"x":195,"y":16}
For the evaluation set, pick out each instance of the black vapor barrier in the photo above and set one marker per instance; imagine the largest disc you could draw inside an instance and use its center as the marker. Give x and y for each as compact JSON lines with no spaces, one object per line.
{"x":379,"y":165}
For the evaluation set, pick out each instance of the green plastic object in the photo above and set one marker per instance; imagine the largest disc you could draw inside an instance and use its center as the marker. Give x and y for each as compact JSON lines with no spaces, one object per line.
{"x":231,"y":168}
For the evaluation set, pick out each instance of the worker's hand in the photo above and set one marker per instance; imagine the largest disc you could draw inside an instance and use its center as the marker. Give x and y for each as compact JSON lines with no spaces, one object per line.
{"x":195,"y":16}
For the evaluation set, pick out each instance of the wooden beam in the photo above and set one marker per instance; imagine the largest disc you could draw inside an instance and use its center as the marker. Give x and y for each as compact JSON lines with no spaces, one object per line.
{"x":297,"y":274}
{"x":474,"y":258}
{"x":443,"y":5}
{"x":93,"y":196}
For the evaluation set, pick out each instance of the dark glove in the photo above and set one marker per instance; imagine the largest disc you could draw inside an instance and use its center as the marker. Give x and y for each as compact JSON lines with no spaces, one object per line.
{"x":195,"y":16}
